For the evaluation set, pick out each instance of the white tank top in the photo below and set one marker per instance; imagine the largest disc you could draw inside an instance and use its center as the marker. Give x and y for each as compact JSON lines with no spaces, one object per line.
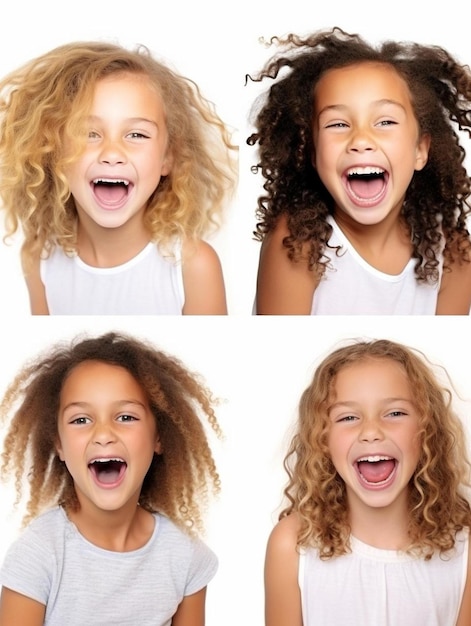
{"x":350,"y":286}
{"x":148,"y":284}
{"x":373,"y":587}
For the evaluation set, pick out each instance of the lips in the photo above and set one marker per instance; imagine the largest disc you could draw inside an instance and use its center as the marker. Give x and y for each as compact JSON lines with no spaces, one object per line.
{"x":366,"y":185}
{"x":108,"y":471}
{"x":111,"y":193}
{"x":376,"y":471}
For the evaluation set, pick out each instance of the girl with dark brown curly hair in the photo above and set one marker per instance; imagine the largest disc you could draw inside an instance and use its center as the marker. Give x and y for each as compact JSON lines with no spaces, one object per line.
{"x":366,"y":194}
{"x":376,"y":530}
{"x":107,"y":434}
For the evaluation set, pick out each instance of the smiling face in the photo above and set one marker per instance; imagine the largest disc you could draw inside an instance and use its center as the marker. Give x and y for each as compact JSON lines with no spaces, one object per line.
{"x":107,"y":435}
{"x":374,"y":433}
{"x":366,"y":140}
{"x":125,"y":155}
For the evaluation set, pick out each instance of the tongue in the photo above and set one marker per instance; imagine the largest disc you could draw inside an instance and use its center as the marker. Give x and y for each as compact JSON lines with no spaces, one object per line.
{"x":107,"y":473}
{"x":110,"y":194}
{"x":366,"y":187}
{"x":376,"y":472}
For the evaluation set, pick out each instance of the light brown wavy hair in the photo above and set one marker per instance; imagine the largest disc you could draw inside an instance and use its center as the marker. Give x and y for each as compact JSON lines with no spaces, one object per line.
{"x":45,"y":102}
{"x":438,"y":506}
{"x":437,"y":200}
{"x":179,"y":481}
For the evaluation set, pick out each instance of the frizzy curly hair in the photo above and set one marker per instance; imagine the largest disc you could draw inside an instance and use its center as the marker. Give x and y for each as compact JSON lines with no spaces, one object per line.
{"x":179,"y":480}
{"x":46,"y":102}
{"x":438,"y":506}
{"x":437,"y":200}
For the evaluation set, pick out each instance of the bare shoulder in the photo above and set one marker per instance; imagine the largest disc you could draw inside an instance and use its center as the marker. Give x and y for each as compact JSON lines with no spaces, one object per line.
{"x":464,"y":617}
{"x":203,"y":280}
{"x":282,"y":594}
{"x":454,"y":296}
{"x":34,"y":284}
{"x":13,"y":604}
{"x":284,"y":287}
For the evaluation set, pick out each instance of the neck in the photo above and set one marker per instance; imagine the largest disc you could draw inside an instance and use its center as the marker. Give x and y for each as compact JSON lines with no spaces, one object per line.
{"x":109,"y":247}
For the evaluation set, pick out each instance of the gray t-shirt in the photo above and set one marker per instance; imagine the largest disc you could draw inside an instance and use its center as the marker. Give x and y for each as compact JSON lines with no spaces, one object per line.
{"x":80,"y":584}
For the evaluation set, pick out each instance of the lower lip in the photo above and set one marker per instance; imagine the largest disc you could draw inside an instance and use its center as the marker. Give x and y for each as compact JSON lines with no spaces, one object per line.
{"x":385,"y":484}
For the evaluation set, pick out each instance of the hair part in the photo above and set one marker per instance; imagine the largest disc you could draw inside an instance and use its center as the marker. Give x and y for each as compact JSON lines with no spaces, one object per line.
{"x":438,"y":506}
{"x":178,"y":482}
{"x":46,"y":102}
{"x":437,"y":200}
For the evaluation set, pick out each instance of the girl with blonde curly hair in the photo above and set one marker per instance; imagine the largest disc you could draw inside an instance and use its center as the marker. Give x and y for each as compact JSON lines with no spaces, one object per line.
{"x":106,"y":437}
{"x":366,"y":195}
{"x":114,"y":167}
{"x":377,"y":522}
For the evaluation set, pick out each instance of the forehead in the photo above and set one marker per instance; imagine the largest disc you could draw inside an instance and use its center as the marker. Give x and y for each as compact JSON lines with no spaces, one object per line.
{"x":377,"y":375}
{"x":370,"y":81}
{"x":91,"y":377}
{"x":130,"y":91}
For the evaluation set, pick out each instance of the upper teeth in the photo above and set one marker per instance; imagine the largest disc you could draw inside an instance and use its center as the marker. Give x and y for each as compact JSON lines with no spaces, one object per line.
{"x":365,"y":170}
{"x":374,"y":459}
{"x":108,"y":460}
{"x":118,"y":181}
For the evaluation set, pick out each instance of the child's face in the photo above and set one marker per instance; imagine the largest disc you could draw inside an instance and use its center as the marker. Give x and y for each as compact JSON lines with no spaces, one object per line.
{"x":366,"y":140}
{"x":107,"y":435}
{"x":126,"y":152}
{"x":374,"y":433}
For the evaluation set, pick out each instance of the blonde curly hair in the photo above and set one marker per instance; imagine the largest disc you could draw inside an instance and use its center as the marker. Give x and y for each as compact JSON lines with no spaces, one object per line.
{"x":438,"y":506}
{"x":178,"y":482}
{"x":44,"y":103}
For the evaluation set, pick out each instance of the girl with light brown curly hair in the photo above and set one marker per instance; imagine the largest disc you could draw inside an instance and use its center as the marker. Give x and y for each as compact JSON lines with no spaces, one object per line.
{"x":376,"y":530}
{"x":115,"y":168}
{"x":106,"y":437}
{"x":366,"y":194}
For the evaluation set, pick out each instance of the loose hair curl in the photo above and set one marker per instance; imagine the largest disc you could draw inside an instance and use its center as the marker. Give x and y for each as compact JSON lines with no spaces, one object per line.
{"x":436,"y":202}
{"x":46,"y":101}
{"x":178,"y":482}
{"x":438,"y":506}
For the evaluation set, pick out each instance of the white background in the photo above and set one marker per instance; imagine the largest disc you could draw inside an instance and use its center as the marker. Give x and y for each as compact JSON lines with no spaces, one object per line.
{"x":259,"y":365}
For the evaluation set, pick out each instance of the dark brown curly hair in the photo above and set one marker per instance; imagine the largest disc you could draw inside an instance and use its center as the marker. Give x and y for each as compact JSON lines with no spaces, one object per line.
{"x":439,"y":488}
{"x":436,"y":202}
{"x":178,"y":482}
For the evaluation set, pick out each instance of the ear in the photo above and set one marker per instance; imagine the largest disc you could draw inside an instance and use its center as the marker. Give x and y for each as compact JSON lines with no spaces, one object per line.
{"x":59,"y":451}
{"x":421,"y":152}
{"x":166,"y":165}
{"x":158,"y":445}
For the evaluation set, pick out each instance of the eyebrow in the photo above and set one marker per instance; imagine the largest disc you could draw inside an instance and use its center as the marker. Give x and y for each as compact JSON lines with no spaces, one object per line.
{"x":345,"y":107}
{"x":85,"y":405}
{"x":129,"y":120}
{"x":353,"y":405}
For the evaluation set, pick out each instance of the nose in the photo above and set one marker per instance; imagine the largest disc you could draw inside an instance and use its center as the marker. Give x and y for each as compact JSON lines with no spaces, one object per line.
{"x":112,"y":153}
{"x":370,"y":430}
{"x":361,"y":140}
{"x":103,"y":434}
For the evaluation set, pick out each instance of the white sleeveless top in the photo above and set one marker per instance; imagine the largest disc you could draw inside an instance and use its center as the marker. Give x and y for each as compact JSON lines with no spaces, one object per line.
{"x":148,"y":284}
{"x":350,"y":286}
{"x":373,"y":587}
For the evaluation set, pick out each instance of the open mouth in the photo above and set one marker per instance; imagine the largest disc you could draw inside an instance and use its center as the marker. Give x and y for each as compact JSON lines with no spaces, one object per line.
{"x":376,"y":470}
{"x":367,"y":184}
{"x":108,"y":471}
{"x":111,"y":191}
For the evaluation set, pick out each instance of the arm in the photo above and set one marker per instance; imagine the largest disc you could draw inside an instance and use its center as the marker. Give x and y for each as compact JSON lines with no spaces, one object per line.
{"x":15,"y":608}
{"x":37,"y":294}
{"x":283,"y":287}
{"x":203,"y":281}
{"x":190,"y":611}
{"x":464,"y":617}
{"x":282,"y":594}
{"x":454,"y":297}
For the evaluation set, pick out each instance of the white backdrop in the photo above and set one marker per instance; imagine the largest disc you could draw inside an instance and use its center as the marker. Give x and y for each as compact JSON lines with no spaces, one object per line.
{"x":259,"y":365}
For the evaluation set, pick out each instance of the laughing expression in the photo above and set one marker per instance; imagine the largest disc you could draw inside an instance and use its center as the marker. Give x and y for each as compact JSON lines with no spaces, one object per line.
{"x":374,"y":433}
{"x":125,"y":155}
{"x":107,"y":435}
{"x":366,"y":140}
